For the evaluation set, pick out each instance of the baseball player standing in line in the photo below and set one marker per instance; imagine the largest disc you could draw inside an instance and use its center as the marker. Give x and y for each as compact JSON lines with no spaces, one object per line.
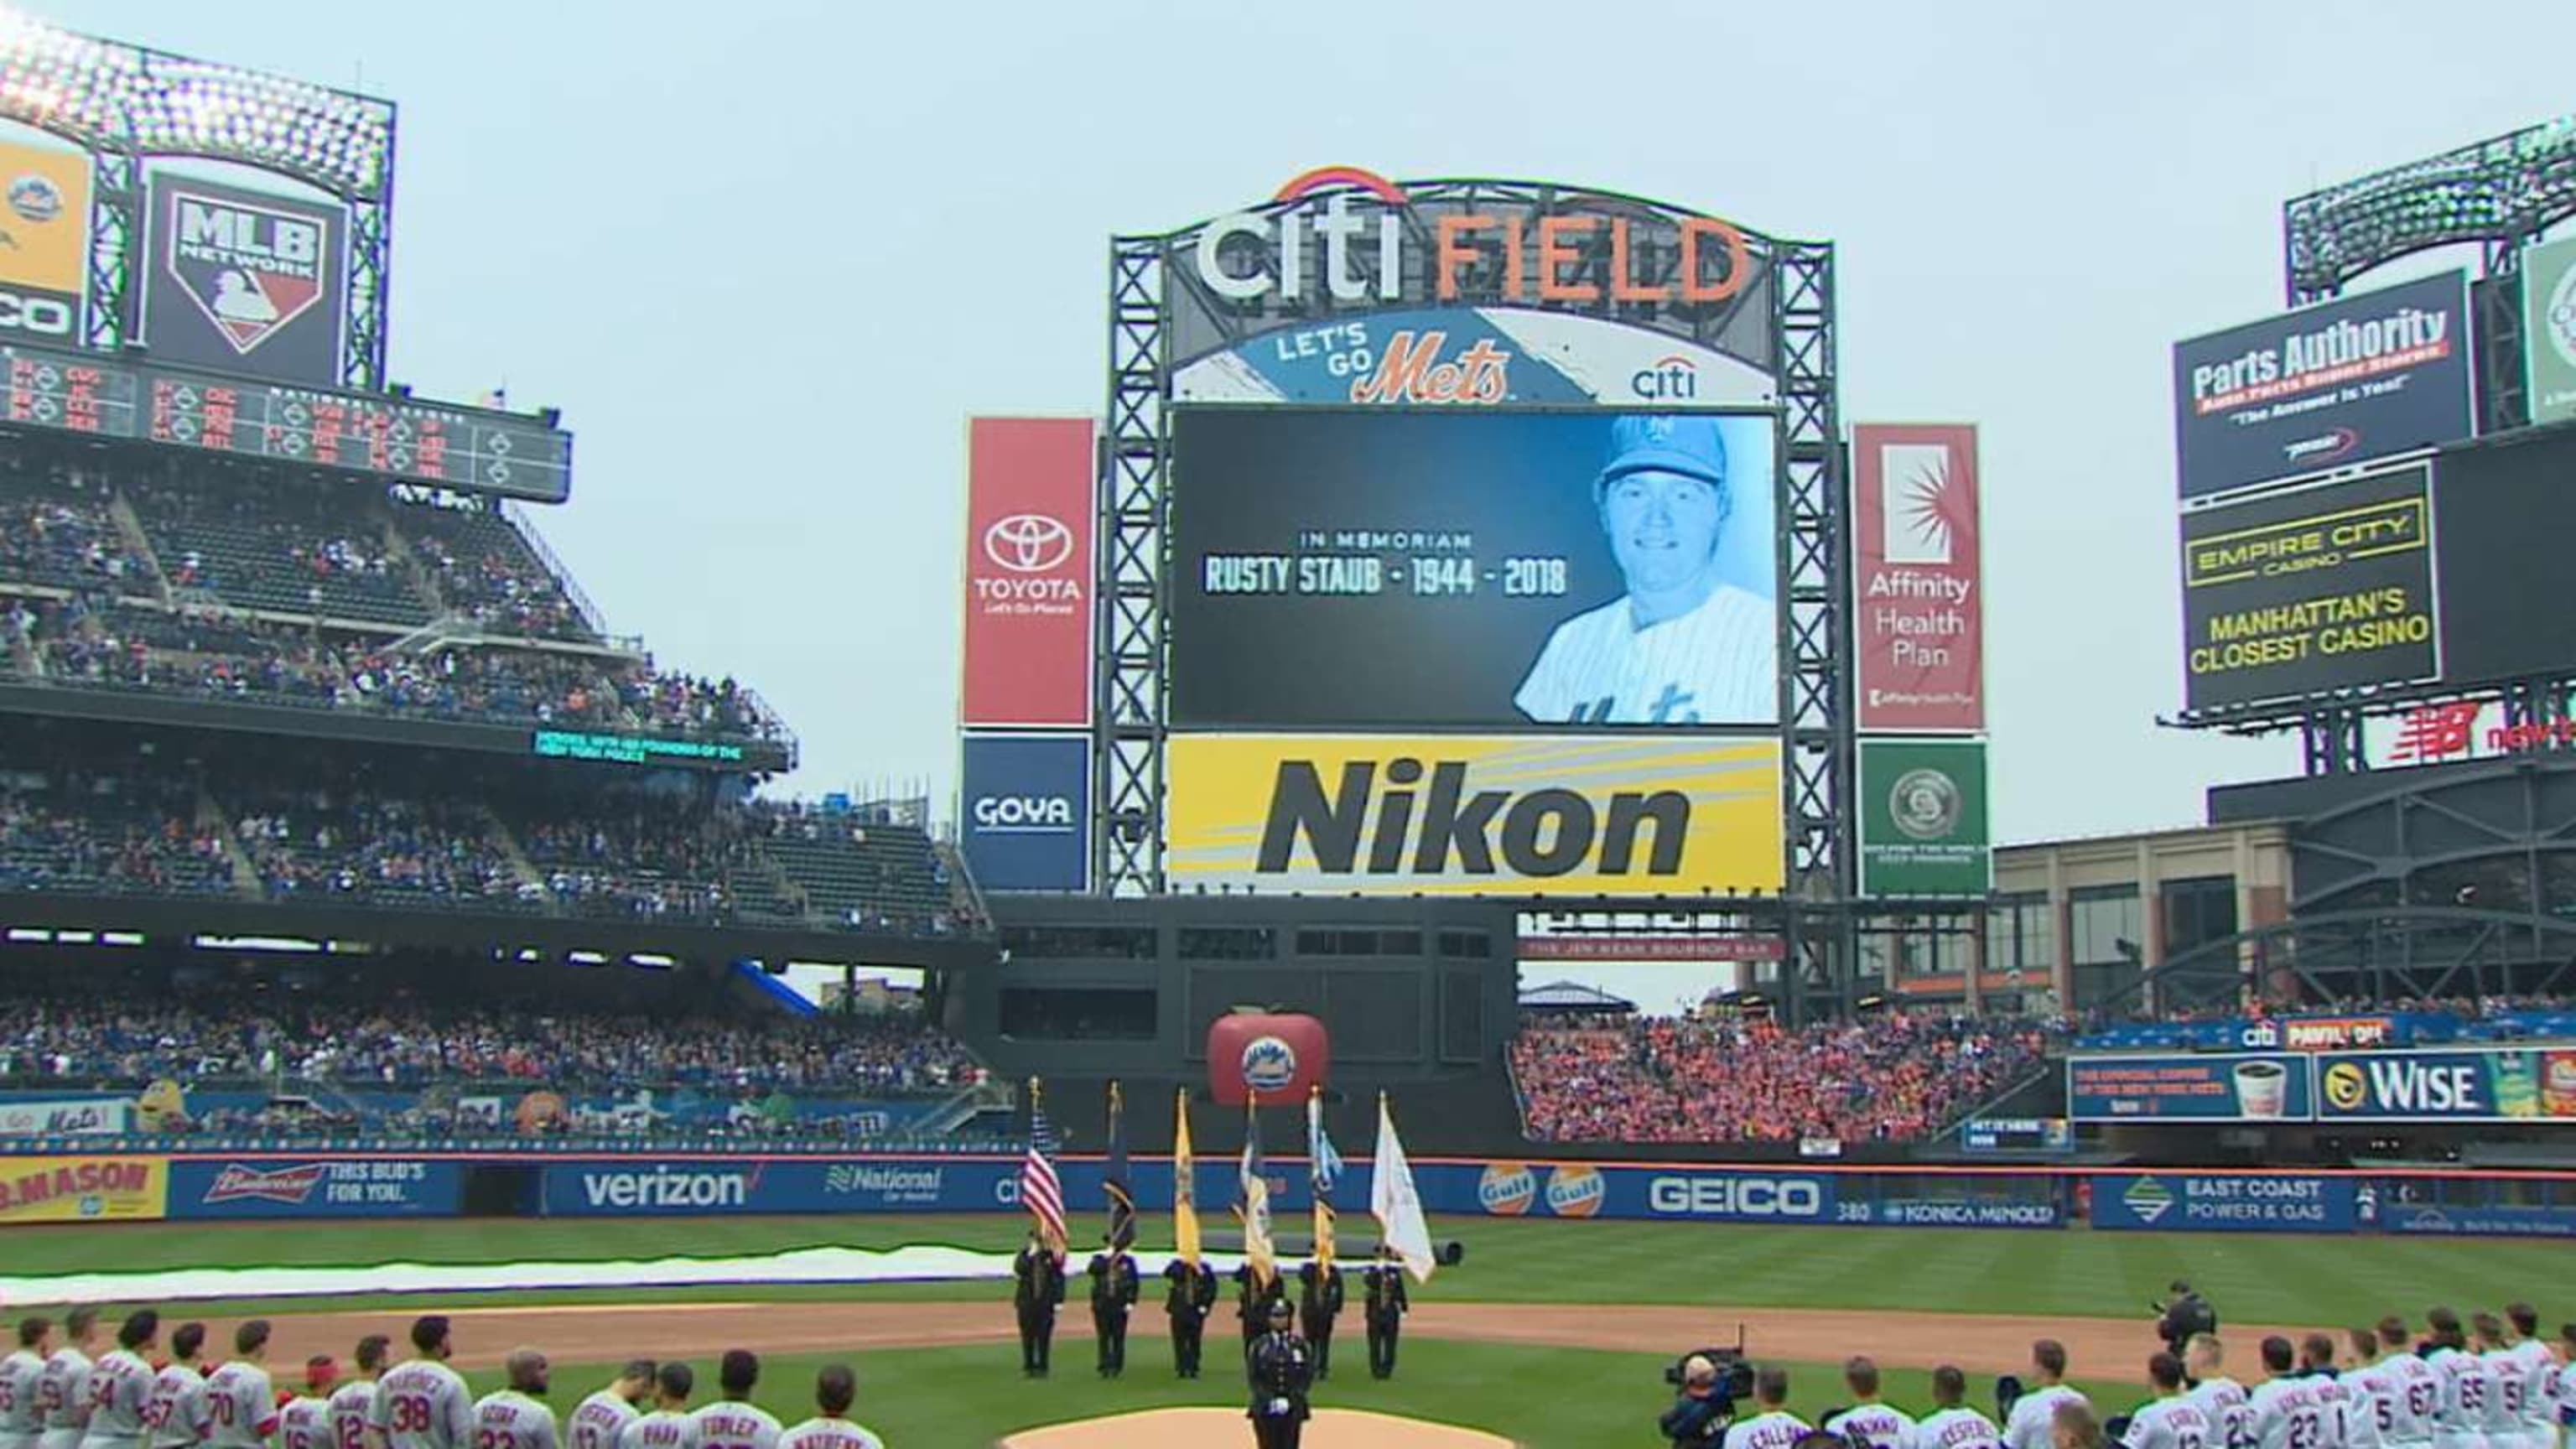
{"x":120,"y":1385}
{"x":734,"y":1421}
{"x":517,"y":1416}
{"x":2345,"y":1405}
{"x":2033,"y":1422}
{"x":421,"y":1403}
{"x":2467,"y":1384}
{"x":2532,"y":1357}
{"x":2287,"y":1412}
{"x":2504,"y":1410}
{"x":178,"y":1415}
{"x":1952,"y":1424}
{"x":1869,"y":1424}
{"x":2563,"y":1386}
{"x":241,"y":1395}
{"x":305,"y":1421}
{"x":2419,"y":1389}
{"x":835,"y":1388}
{"x":353,"y":1404}
{"x":2372,"y":1393}
{"x":22,"y":1410}
{"x":2171,"y":1420}
{"x":64,"y":1389}
{"x":2219,"y":1397}
{"x":669,"y":1425}
{"x":1682,"y":646}
{"x":601,"y":1420}
{"x":1773,"y":1428}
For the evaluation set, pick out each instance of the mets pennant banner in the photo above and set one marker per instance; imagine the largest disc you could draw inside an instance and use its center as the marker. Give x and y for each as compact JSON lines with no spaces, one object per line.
{"x":1511,"y":815}
{"x":1919,"y":623}
{"x":2549,"y":328}
{"x":1028,"y":573}
{"x":44,"y":244}
{"x":83,"y":1189}
{"x":2325,"y":387}
{"x":244,"y":282}
{"x":1923,"y":818}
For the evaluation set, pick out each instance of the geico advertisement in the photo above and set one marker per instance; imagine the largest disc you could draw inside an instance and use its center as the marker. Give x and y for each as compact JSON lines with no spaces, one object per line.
{"x":83,"y":1189}
{"x":1512,"y":815}
{"x":2323,"y":589}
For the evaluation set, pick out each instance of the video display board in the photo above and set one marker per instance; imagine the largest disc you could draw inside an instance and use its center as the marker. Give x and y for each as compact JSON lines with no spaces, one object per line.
{"x":2504,"y":511}
{"x":245,"y":281}
{"x":1502,"y":570}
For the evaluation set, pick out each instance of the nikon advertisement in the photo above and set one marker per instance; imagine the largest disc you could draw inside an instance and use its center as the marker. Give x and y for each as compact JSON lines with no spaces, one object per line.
{"x":1529,"y":815}
{"x":2326,"y":588}
{"x":1408,"y":569}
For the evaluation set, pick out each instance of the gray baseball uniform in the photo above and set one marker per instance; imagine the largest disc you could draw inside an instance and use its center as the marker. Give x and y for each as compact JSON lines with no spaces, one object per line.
{"x":244,"y":1402}
{"x":22,"y":1413}
{"x":601,"y":1420}
{"x":305,"y":1423}
{"x":64,"y":1394}
{"x":731,"y":1425}
{"x":661,"y":1429}
{"x":120,"y":1394}
{"x":511,"y":1420}
{"x":829,"y":1434}
{"x":179,"y":1416}
{"x":353,"y":1408}
{"x":422,"y":1404}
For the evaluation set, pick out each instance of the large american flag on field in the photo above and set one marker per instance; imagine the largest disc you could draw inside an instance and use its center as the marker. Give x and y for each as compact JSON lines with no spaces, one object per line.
{"x":1040,"y":1188}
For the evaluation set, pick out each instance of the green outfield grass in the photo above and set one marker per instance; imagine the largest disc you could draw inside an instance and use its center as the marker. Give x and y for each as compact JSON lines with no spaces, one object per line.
{"x":2253,"y":1278}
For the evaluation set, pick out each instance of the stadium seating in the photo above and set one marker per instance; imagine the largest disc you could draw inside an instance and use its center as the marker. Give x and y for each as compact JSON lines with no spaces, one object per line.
{"x":60,"y":532}
{"x":288,"y":552}
{"x":74,"y":834}
{"x":485,"y":569}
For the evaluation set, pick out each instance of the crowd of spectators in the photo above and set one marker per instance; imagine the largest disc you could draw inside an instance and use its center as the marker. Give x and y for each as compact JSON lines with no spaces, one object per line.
{"x":484,"y":569}
{"x":1883,"y":1078}
{"x":312,"y":844}
{"x":62,"y":535}
{"x":77,"y":834}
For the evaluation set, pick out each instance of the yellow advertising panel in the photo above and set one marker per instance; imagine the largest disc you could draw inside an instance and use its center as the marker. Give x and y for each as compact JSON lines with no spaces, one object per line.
{"x":83,"y":1189}
{"x":44,"y":218}
{"x":1505,"y":815}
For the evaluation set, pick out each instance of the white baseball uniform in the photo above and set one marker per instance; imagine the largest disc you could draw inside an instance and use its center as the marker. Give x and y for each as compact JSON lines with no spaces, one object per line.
{"x":601,"y":1421}
{"x":2373,"y":1419}
{"x":22,"y":1413}
{"x":2170,"y":1423}
{"x":64,"y":1393}
{"x":423,"y":1404}
{"x":2505,"y":1424}
{"x":822,"y":1433}
{"x":1713,"y":665}
{"x":2562,"y":1389}
{"x":509,"y":1419}
{"x":2539,"y":1417}
{"x":661,"y":1429}
{"x":243,"y":1400}
{"x":2288,"y":1414}
{"x":2034,"y":1417}
{"x":1873,"y":1426}
{"x":2419,"y":1399}
{"x":120,"y":1395}
{"x":2347,"y":1410}
{"x":305,"y":1423}
{"x":2468,"y":1387}
{"x":1956,"y":1429}
{"x":179,"y":1415}
{"x":2223,"y":1400}
{"x":729,"y":1424}
{"x":353,"y":1408}
{"x":1777,"y":1429}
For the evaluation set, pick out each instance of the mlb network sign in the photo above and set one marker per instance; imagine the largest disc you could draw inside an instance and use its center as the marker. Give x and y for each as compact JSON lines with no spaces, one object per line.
{"x":244,"y":282}
{"x":1026,"y":811}
{"x":1920,"y":611}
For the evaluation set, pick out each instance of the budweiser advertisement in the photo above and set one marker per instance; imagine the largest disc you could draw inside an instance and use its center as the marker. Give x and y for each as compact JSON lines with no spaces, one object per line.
{"x":1919,"y":618}
{"x":1028,"y":573}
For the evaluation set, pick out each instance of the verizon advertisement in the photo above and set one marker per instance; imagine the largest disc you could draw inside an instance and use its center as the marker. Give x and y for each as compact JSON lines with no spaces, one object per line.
{"x":1919,"y":620}
{"x":1028,"y":573}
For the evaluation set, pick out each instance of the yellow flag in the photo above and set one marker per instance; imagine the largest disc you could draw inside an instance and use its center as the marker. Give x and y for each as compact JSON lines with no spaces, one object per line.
{"x":1185,"y":1210}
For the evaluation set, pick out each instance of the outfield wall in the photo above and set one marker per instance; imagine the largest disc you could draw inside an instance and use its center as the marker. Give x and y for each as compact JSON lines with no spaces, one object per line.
{"x":114,"y":1187}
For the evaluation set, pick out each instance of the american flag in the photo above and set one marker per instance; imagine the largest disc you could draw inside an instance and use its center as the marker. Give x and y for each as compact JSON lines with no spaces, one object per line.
{"x":1040,"y":1188}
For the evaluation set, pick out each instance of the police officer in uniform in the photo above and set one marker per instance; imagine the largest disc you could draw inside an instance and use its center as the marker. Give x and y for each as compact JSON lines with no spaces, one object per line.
{"x":1319,"y":1301}
{"x":1191,"y":1299}
{"x":1253,"y":1302}
{"x":1384,"y":1306}
{"x":1281,"y":1372}
{"x":1113,"y":1293}
{"x":1038,"y":1289}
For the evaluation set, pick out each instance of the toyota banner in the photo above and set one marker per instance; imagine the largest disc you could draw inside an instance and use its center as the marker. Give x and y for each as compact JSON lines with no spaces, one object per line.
{"x":1028,"y":573}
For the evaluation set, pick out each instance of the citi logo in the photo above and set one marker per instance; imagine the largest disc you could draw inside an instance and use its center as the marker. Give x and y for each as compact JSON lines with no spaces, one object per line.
{"x":663,"y":1187}
{"x":1671,"y":378}
{"x":1028,"y":543}
{"x":1023,"y":814}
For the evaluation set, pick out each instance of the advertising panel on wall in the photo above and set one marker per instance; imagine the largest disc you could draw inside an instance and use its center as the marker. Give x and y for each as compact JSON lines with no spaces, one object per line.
{"x":1918,"y":619}
{"x":77,"y":1189}
{"x":245,"y":282}
{"x":2187,"y":1088}
{"x":64,"y":1116}
{"x":1472,"y":357}
{"x":718,"y":1186}
{"x":1341,"y":569}
{"x":2325,"y":387}
{"x":2321,"y":589}
{"x":2549,"y":328}
{"x":2502,"y":510}
{"x":372,"y":1187}
{"x":1530,"y":815}
{"x":2229,"y":1203}
{"x":1923,"y":818}
{"x":1026,"y":814}
{"x":2499,"y":1221}
{"x":1029,"y":559}
{"x":2467,"y":1084}
{"x":44,"y":244}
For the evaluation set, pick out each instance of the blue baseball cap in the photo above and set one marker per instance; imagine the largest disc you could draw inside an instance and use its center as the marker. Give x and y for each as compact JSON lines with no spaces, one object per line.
{"x":1665,"y":443}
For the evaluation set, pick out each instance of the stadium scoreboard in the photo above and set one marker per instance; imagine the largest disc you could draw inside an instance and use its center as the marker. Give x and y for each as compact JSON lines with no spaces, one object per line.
{"x":393,"y":438}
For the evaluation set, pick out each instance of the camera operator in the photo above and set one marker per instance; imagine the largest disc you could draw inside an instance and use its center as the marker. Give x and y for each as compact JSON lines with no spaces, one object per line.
{"x":1700,"y":1415}
{"x":2182,"y":1314}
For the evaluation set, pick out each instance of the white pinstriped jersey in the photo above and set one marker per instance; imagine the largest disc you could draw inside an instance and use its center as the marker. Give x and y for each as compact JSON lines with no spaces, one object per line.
{"x":2348,"y":1411}
{"x":2289,"y":1415}
{"x":2468,"y":1392}
{"x":2373,"y":1419}
{"x":2538,"y":1366}
{"x":1956,"y":1429}
{"x":2419,"y":1398}
{"x":1872,"y":1426}
{"x":1713,"y":665}
{"x":2223,"y":1401}
{"x":2170,"y":1423}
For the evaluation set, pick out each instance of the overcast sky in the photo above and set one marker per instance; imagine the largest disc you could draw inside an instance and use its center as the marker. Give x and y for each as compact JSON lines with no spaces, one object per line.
{"x":882,"y":219}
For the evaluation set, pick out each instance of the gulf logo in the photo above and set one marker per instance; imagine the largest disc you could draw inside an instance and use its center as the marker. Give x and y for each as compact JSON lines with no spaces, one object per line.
{"x":1507,"y":1189}
{"x":1577,"y":1191}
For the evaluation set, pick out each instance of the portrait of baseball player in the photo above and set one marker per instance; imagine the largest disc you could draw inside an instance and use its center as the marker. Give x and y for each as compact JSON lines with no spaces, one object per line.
{"x":1685,"y":644}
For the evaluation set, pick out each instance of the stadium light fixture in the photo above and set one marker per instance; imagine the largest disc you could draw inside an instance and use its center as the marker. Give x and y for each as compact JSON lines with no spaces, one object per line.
{"x":149,"y":102}
{"x":2503,"y":189}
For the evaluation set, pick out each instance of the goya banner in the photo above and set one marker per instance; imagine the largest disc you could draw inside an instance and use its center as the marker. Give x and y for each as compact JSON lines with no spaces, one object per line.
{"x":370,"y":1187}
{"x":2188,"y":1088}
{"x":83,"y":1189}
{"x":2492,"y":1084}
{"x":2229,"y":1203}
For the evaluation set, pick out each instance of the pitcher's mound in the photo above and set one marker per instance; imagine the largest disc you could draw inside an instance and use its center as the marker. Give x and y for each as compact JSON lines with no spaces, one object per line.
{"x":1199,"y":1428}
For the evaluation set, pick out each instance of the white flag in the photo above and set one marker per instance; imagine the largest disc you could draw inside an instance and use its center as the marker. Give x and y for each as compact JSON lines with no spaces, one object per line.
{"x":1395,"y":1203}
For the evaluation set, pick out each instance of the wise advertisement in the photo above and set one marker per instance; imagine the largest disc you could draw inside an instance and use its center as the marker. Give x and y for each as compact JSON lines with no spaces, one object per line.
{"x":245,"y":282}
{"x":2549,"y":328}
{"x":2325,"y":387}
{"x":1474,"y":815}
{"x":1029,"y":569}
{"x":83,"y":1189}
{"x":2327,"y":588}
{"x":2226,"y":1203}
{"x":2187,"y":1088}
{"x":1026,"y":816}
{"x":1918,"y":627}
{"x":1923,"y":818}
{"x":2497,"y":1084}
{"x":44,"y":244}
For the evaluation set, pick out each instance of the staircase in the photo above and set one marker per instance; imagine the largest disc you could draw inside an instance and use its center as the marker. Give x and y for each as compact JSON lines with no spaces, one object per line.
{"x":245,"y":873}
{"x":522,"y":869}
{"x":414,"y":572}
{"x":129,"y":529}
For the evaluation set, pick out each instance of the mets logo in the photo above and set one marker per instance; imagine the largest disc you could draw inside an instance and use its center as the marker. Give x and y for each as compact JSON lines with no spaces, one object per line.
{"x":1269,"y":1064}
{"x":250,"y":269}
{"x":288,"y":1185}
{"x":1577,"y":1191}
{"x":1507,"y":1189}
{"x":2346,"y":1089}
{"x":35,"y":198}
